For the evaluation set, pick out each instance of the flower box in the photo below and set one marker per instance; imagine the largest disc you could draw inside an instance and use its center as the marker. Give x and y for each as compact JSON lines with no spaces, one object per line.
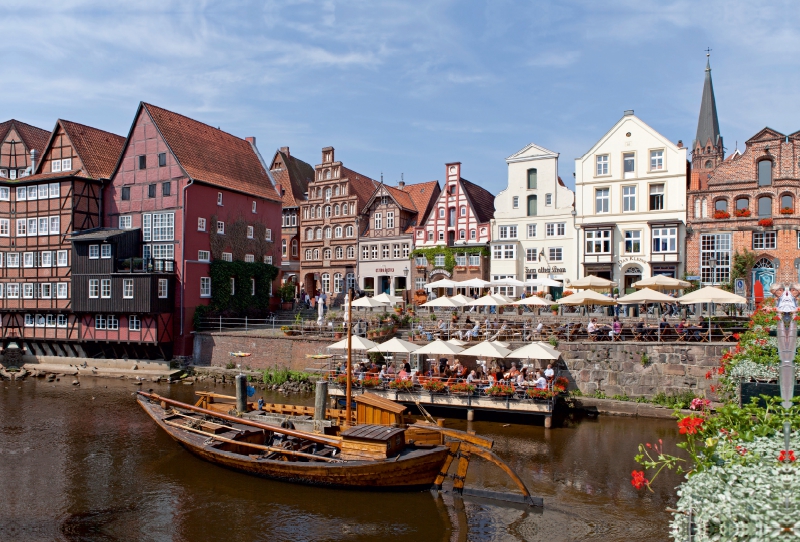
{"x":371,"y":382}
{"x":401,"y":385}
{"x":787,"y":211}
{"x":462,"y":388}
{"x":500,"y":390}
{"x":434,"y":386}
{"x":721,"y":215}
{"x":540,"y":394}
{"x":742,"y":213}
{"x":765,"y":222}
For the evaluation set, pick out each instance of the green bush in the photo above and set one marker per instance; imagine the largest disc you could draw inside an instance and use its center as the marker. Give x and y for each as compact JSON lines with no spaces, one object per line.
{"x":281,"y":375}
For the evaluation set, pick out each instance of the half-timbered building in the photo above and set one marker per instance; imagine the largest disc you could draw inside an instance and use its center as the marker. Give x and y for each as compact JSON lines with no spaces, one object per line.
{"x":20,"y":146}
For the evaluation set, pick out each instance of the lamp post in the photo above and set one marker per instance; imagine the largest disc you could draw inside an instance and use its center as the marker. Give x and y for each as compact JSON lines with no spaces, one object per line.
{"x":787,"y":347}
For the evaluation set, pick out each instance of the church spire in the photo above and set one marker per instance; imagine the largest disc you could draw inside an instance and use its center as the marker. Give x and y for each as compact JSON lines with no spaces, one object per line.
{"x":708,"y":123}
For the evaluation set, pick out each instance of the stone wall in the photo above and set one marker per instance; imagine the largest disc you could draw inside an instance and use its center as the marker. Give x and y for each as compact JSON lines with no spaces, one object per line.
{"x":213,"y":349}
{"x":617,"y":368}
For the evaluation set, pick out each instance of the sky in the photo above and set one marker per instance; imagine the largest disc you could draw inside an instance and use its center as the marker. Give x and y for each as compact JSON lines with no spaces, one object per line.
{"x":403,"y":87}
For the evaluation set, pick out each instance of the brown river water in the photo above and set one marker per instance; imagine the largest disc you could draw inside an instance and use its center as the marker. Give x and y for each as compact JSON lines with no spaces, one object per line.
{"x":86,"y":464}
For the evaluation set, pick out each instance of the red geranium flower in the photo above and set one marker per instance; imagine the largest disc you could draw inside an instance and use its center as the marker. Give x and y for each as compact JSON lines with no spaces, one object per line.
{"x":690,"y":425}
{"x":784,"y":456}
{"x":638,"y":480}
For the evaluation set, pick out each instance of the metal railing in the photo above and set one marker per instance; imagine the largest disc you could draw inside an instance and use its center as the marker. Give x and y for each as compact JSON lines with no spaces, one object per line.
{"x":145,"y":265}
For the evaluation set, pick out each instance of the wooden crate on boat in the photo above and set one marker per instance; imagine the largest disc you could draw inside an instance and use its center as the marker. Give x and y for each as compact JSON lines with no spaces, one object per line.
{"x":373,"y":409}
{"x":372,"y":442}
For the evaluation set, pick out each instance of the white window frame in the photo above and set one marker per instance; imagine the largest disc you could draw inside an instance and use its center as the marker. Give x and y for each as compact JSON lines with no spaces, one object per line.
{"x":203,"y":256}
{"x":601,"y":165}
{"x":12,"y":290}
{"x":134,"y":323}
{"x":667,"y":235}
{"x":127,"y":288}
{"x":657,"y":160}
{"x":556,"y":254}
{"x":219,"y":199}
{"x":125,"y":222}
{"x":62,"y":290}
{"x":201,"y":224}
{"x":62,"y":258}
{"x":205,"y":286}
{"x":105,"y":288}
{"x":12,"y":259}
{"x":5,"y":227}
{"x":629,"y":199}
{"x":61,"y":320}
{"x":227,"y":256}
{"x":602,"y":200}
{"x":598,"y":242}
{"x":94,"y":288}
{"x":632,"y":237}
{"x":22,"y":227}
{"x":163,"y":288}
{"x":94,"y":252}
{"x":54,"y":190}
{"x":105,"y":251}
{"x":220,"y":227}
{"x":5,"y":193}
{"x":254,"y":207}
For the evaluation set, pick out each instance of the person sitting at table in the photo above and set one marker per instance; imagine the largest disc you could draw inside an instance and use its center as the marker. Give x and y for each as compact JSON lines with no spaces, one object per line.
{"x":373,"y":369}
{"x":522,"y":377}
{"x":403,"y":375}
{"x":616,"y":328}
{"x":390,"y":372}
{"x":640,"y":326}
{"x":382,"y":374}
{"x":540,"y":383}
{"x":681,"y":327}
{"x":500,"y":332}
{"x":592,"y":328}
{"x":663,"y":325}
{"x":526,"y":330}
{"x":549,"y":373}
{"x":513,"y":372}
{"x":472,"y":377}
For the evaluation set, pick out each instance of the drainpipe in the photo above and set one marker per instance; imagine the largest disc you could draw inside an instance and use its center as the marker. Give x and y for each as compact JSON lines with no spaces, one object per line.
{"x":183,"y":250}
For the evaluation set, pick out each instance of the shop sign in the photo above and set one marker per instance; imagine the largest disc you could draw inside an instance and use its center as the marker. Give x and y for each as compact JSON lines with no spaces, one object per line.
{"x":552,"y":269}
{"x":384,"y":270}
{"x":444,"y":272}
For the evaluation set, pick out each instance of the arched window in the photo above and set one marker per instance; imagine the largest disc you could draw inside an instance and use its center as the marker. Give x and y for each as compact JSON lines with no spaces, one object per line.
{"x":336,"y":190}
{"x":328,"y":232}
{"x":310,"y":211}
{"x":319,"y":192}
{"x":316,"y":254}
{"x":709,"y":164}
{"x":462,"y":234}
{"x":338,"y":232}
{"x":308,"y":254}
{"x":284,"y":248}
{"x":326,"y":282}
{"x":294,"y":247}
{"x":336,"y":210}
{"x":339,"y":253}
{"x":742,"y":203}
{"x":326,"y":254}
{"x":327,"y":174}
{"x":765,"y":173}
{"x":351,"y":252}
{"x":705,"y":208}
{"x":305,"y":212}
{"x":319,"y":233}
{"x":721,"y":205}
{"x":319,"y":211}
{"x":327,"y":194}
{"x":348,"y":231}
{"x":697,"y":207}
{"x":787,"y":204}
{"x":532,"y":205}
{"x":327,"y":211}
{"x":309,"y":234}
{"x":532,"y":174}
{"x":765,"y":206}
{"x":351,"y":280}
{"x":472,"y":234}
{"x":344,"y":209}
{"x":337,"y":283}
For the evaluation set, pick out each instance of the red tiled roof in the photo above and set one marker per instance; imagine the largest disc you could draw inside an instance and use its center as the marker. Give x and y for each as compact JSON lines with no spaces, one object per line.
{"x":98,"y":150}
{"x":46,"y":176}
{"x":402,"y":198}
{"x":294,"y":178}
{"x":363,"y":186}
{"x":423,"y":195}
{"x":33,"y":137}
{"x":482,"y":201}
{"x":211,"y":156}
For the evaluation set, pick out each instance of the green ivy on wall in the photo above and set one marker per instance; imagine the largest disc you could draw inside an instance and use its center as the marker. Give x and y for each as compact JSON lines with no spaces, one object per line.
{"x":242,"y":299}
{"x":449,"y":254}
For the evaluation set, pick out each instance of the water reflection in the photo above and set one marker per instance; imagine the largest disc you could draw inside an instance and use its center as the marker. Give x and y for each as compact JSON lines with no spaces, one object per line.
{"x":84,"y":463}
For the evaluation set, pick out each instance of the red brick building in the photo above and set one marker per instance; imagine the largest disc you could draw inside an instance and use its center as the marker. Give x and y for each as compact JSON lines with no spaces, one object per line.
{"x":38,"y":213}
{"x":196,"y":193}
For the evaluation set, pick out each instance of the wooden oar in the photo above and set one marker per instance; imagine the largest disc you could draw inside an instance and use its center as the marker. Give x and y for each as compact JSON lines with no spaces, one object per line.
{"x":244,"y":421}
{"x":282,"y":451}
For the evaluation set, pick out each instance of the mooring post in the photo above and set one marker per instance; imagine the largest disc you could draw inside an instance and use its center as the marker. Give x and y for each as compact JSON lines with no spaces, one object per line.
{"x":548,"y":421}
{"x":470,"y":414}
{"x":321,"y":399}
{"x":241,"y":393}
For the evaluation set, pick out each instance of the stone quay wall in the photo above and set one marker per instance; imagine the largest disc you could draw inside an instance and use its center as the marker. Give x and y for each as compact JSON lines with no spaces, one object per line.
{"x":614,"y":368}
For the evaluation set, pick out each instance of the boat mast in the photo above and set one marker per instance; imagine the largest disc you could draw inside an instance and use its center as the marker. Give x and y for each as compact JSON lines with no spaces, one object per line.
{"x":349,"y":369}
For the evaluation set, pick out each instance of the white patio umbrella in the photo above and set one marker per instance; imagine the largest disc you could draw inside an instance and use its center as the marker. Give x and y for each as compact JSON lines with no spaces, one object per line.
{"x":712,"y":295}
{"x":490,"y":300}
{"x":456,"y":342}
{"x":532,"y":300}
{"x":443,"y":302}
{"x":645,"y":295}
{"x":487,"y":349}
{"x":443,"y":283}
{"x":586,"y":297}
{"x":536,"y":350}
{"x":395,"y":346}
{"x":439,"y":348}
{"x":507,"y":282}
{"x":473,"y":283}
{"x":359,"y":343}
{"x":662,"y":282}
{"x":544,"y":282}
{"x":388,"y":299}
{"x":592,"y":282}
{"x":461,"y":298}
{"x":368,"y":302}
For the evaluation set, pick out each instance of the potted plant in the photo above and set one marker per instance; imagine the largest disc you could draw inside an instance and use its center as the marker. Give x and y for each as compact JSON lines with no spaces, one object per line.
{"x":541,"y":395}
{"x":341,"y":380}
{"x":500,"y":390}
{"x":434,"y":386}
{"x":743,"y":213}
{"x":765,"y":222}
{"x":286,"y":293}
{"x":401,"y":385}
{"x":433,"y":317}
{"x":371,"y":382}
{"x":462,"y":388}
{"x":288,"y":331}
{"x":338,"y":331}
{"x":554,"y":308}
{"x":787,"y":211}
{"x":721,"y":215}
{"x":561,"y":385}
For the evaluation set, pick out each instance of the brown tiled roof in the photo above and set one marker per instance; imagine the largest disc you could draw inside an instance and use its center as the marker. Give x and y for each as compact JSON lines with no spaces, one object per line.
{"x":46,"y":176}
{"x":33,"y":137}
{"x":99,"y":150}
{"x":402,"y":198}
{"x":294,"y":178}
{"x":211,"y":156}
{"x":423,"y":195}
{"x":482,"y":201}
{"x":363,"y":186}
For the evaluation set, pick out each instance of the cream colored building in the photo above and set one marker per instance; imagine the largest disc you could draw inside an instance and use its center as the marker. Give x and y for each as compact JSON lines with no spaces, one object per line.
{"x":631,"y":205}
{"x":533,"y":231}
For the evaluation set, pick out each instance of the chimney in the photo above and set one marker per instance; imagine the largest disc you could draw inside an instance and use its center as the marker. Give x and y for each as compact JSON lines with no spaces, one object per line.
{"x":401,"y":184}
{"x":33,"y":161}
{"x":285,"y":150}
{"x":680,"y":143}
{"x":627,"y":113}
{"x":251,"y":140}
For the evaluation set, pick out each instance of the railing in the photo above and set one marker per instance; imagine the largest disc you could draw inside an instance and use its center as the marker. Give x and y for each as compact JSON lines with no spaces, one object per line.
{"x":294,"y":327}
{"x":145,"y":265}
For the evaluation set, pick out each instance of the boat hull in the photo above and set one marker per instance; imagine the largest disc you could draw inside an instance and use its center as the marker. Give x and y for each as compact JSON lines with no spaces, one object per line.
{"x":414,"y":468}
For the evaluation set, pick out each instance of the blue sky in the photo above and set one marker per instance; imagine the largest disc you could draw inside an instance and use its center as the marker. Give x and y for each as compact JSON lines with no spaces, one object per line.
{"x":403,"y":87}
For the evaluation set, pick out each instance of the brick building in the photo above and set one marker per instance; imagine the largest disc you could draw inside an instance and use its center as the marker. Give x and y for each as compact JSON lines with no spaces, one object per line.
{"x":291,"y":176}
{"x":196,"y":193}
{"x":38,"y":213}
{"x":330,"y":227}
{"x":385,"y":242}
{"x":461,"y":218}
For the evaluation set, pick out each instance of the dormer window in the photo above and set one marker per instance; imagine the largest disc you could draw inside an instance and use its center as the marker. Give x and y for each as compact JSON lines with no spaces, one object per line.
{"x":66,"y":164}
{"x":55,"y":166}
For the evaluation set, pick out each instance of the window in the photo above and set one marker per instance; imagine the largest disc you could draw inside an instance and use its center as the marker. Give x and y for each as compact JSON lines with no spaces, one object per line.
{"x":548,"y":199}
{"x":252,"y":286}
{"x":601,"y":200}
{"x":165,"y":189}
{"x":657,"y":197}
{"x":308,"y":254}
{"x":219,"y":198}
{"x":151,"y":190}
{"x":378,"y":221}
{"x":55,"y":166}
{"x":665,"y":239}
{"x":249,"y":232}
{"x":633,"y":241}
{"x":61,"y":320}
{"x":348,"y":231}
{"x":326,"y":282}
{"x":461,"y":259}
{"x":351,"y":252}
{"x":42,"y":226}
{"x":125,"y":222}
{"x":162,"y":160}
{"x":598,"y":241}
{"x":344,"y":208}
{"x":28,"y":320}
{"x":105,"y":288}
{"x":765,"y":173}
{"x":284,"y":248}
{"x":721,"y":205}
{"x":532,"y":179}
{"x":419,"y":283}
{"x":765,"y":206}
{"x":406,"y":250}
{"x":602,"y":165}
{"x":441,"y":212}
{"x":531,"y":255}
{"x":127,"y":288}
{"x":12,"y":259}
{"x":337,"y":232}
{"x":319,"y":233}
{"x":205,"y":286}
{"x":374,"y":251}
{"x":474,"y":260}
{"x":54,"y":190}
{"x":94,"y":288}
{"x":40,"y":320}
{"x":45,"y":290}
{"x":51,"y":320}
{"x":555,"y":229}
{"x":420,"y":261}
{"x":462,"y":234}
{"x":268,"y":234}
{"x":463,"y":211}
{"x":250,"y":258}
{"x":532,"y":210}
{"x":126,"y":193}
{"x":220,"y":227}
{"x":227,"y":257}
{"x":5,"y":227}
{"x":390,"y":219}
{"x":42,"y":189}
{"x":742,"y":204}
{"x":365,"y":252}
{"x":339,"y":253}
{"x":134,"y":324}
{"x":508,"y":232}
{"x":328,"y":232}
{"x":22,"y":193}
{"x":338,"y":283}
{"x":326,"y":254}
{"x":504,"y":252}
{"x":765,"y":240}
{"x":438,"y":260}
{"x":628,"y":165}
{"x":5,"y":193}
{"x":105,"y":251}
{"x":27,"y":259}
{"x":531,"y":231}
{"x":327,"y":211}
{"x":162,"y":288}
{"x":556,"y":254}
{"x":99,"y":321}
{"x":27,"y":291}
{"x":395,"y":251}
{"x":385,"y":251}
{"x":142,"y":161}
{"x":350,"y":281}
{"x":715,"y":258}
{"x":46,"y":259}
{"x":164,"y":226}
{"x":787,"y":203}
{"x":656,"y":160}
{"x":337,"y":210}
{"x":61,"y":257}
{"x":628,"y":199}
{"x":94,"y":252}
{"x":328,"y":194}
{"x":61,"y":290}
{"x":316,"y":254}
{"x":201,"y":224}
{"x":112,"y":322}
{"x":515,"y":202}
{"x":430,"y":236}
{"x":12,"y":290}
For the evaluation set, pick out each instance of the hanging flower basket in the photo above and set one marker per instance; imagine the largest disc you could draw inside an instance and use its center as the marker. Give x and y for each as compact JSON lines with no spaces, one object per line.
{"x":765,"y":222}
{"x":721,"y":215}
{"x":742,"y":213}
{"x":787,"y":211}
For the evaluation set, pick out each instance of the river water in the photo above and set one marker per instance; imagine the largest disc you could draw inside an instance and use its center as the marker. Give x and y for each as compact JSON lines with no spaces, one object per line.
{"x":84,"y":463}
